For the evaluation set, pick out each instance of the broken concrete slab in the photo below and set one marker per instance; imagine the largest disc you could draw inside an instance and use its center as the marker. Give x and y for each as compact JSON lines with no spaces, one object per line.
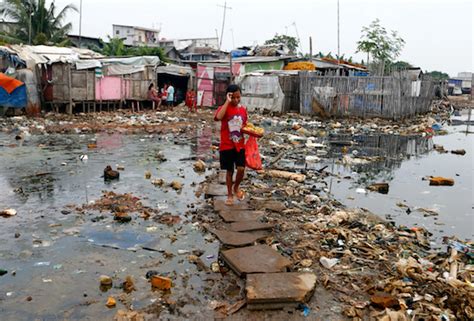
{"x":277,"y":290}
{"x":219,"y":204}
{"x":240,"y":215}
{"x":255,"y":259}
{"x":246,"y":226}
{"x":274,"y":206}
{"x":238,"y":238}
{"x":212,"y":190}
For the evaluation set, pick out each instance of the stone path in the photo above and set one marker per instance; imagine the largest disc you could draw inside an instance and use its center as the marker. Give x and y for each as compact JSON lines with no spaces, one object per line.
{"x":268,"y":284}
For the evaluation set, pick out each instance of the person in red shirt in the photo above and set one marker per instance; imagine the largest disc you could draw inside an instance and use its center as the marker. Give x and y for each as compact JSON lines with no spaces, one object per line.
{"x":233,"y":117}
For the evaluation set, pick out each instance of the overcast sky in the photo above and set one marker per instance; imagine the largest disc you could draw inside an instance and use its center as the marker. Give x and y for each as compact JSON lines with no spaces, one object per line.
{"x":438,"y":34}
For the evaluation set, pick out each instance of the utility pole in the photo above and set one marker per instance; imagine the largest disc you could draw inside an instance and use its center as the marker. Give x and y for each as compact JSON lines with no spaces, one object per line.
{"x":80,"y":24}
{"x":223,"y":22}
{"x":233,"y":41}
{"x":338,"y":35}
{"x":297,"y":35}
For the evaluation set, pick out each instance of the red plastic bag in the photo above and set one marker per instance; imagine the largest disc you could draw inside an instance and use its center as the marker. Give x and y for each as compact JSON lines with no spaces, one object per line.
{"x":252,"y":156}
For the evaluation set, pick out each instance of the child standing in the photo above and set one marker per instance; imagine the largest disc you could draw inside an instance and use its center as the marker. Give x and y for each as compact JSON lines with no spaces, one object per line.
{"x":233,"y":117}
{"x":170,"y":97}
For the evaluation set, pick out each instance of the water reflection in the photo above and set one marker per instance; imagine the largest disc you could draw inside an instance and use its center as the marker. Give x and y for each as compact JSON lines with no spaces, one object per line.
{"x":387,"y":153}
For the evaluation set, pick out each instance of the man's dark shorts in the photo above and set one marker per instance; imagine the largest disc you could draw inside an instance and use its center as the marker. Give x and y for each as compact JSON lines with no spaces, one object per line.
{"x":230,"y":159}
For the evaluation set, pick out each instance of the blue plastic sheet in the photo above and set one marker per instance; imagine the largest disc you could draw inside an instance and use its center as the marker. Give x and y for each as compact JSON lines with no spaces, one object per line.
{"x":17,"y":98}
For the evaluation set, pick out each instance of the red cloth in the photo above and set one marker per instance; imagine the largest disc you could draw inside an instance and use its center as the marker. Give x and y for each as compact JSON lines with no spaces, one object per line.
{"x":231,"y":127}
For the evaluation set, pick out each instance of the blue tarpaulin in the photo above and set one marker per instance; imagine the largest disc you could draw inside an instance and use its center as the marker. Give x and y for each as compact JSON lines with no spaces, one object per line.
{"x":12,"y":92}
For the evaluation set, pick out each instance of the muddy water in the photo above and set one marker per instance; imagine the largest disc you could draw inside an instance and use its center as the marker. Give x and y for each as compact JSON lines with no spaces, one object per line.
{"x":406,"y":160}
{"x":60,"y":254}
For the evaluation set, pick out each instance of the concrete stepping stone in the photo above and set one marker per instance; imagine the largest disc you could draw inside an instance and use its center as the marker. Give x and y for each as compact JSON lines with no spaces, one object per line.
{"x":240,"y":215}
{"x":238,"y":238}
{"x":219,"y":204}
{"x":279,"y":290}
{"x":246,"y":226}
{"x":274,"y":206}
{"x":255,"y":259}
{"x":212,"y":190}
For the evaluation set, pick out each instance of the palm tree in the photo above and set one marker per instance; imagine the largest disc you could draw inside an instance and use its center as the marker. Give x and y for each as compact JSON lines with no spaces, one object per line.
{"x":36,"y":24}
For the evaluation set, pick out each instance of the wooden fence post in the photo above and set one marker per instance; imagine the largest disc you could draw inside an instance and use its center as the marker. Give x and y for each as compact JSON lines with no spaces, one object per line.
{"x":69,"y":110}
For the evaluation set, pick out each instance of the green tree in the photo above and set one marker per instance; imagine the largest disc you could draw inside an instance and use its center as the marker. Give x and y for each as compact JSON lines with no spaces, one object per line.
{"x":383,"y":46}
{"x":291,"y":42}
{"x":116,"y":47}
{"x":36,"y":23}
{"x":400,"y":65}
{"x":437,"y":75}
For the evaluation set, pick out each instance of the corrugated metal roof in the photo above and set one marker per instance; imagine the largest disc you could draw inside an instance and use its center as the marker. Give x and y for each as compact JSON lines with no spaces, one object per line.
{"x":321,"y":64}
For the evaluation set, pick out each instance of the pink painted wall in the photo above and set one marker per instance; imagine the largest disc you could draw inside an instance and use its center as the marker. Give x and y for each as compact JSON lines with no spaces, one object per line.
{"x":205,"y":82}
{"x":111,"y":88}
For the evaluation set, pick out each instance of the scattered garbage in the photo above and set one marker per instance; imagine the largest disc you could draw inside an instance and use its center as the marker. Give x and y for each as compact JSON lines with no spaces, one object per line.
{"x":215,"y":267}
{"x":105,"y":280}
{"x":122,"y":217}
{"x":177,"y":186}
{"x":328,"y":263}
{"x":287,"y":175}
{"x":361,"y":191}
{"x":158,"y":182}
{"x":382,"y":188}
{"x":441,"y":181}
{"x":459,"y":152}
{"x":111,"y":302}
{"x":161,"y":282}
{"x":199,"y":166}
{"x":8,"y":212}
{"x":147,"y":175}
{"x":384,"y":300}
{"x":110,"y":174}
{"x":128,"y":285}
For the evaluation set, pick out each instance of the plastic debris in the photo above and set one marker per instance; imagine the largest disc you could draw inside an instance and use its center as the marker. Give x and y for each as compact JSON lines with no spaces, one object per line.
{"x":199,"y":166}
{"x":160,"y":282}
{"x":328,"y":263}
{"x":441,"y":181}
{"x":111,"y":303}
{"x":8,"y":212}
{"x":105,"y":280}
